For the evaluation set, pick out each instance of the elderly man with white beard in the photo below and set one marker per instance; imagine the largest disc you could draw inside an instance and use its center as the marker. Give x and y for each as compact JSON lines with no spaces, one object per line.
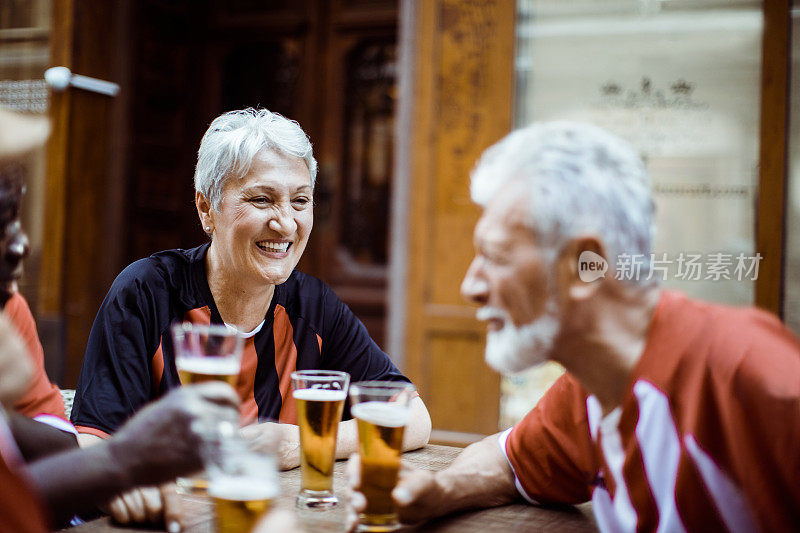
{"x":673,"y":414}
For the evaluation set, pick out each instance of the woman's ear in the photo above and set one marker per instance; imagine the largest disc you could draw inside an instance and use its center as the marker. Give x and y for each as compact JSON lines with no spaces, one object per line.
{"x":204,"y":212}
{"x":581,"y":267}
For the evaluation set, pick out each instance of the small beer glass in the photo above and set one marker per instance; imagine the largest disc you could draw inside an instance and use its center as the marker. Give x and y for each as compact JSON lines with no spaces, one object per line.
{"x":382,"y":409}
{"x":243,"y":486}
{"x":320,"y":397}
{"x":205,"y":353}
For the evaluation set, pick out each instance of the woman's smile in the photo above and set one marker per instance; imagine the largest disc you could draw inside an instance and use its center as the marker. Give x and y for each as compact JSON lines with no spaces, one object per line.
{"x":275,"y":248}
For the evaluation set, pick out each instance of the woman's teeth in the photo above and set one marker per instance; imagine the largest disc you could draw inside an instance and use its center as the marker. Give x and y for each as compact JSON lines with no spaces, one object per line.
{"x":275,"y":247}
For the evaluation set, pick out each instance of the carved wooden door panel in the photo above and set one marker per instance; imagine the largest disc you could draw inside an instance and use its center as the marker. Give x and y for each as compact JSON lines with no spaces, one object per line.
{"x":356,"y":157}
{"x":330,"y":65}
{"x":461,"y":81}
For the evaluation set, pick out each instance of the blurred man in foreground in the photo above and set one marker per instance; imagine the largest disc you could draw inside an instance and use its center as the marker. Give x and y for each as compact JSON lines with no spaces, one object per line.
{"x":42,"y":483}
{"x":673,"y":414}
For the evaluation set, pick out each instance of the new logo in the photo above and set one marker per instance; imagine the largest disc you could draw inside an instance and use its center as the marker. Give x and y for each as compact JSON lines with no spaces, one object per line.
{"x":591,"y":266}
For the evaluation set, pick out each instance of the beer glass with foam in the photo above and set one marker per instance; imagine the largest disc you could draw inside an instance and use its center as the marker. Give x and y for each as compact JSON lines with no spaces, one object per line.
{"x":206,"y":353}
{"x":319,"y":396}
{"x":243,"y":485}
{"x":382,"y":409}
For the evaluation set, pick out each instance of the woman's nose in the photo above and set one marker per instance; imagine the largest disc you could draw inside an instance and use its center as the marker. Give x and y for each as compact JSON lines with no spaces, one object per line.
{"x":283,"y":222}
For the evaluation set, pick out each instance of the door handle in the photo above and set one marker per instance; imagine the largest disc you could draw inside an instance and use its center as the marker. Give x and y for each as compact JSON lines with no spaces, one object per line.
{"x":59,"y":78}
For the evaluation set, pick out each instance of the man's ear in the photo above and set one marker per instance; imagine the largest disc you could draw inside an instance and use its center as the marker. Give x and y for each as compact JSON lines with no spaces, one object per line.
{"x":581,"y":266}
{"x":204,"y":211}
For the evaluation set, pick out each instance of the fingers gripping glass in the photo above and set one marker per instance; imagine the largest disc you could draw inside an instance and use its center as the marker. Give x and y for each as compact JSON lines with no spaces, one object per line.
{"x":382,"y":409}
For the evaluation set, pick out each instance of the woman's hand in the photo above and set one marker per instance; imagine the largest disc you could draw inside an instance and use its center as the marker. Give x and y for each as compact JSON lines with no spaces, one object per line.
{"x":281,"y":439}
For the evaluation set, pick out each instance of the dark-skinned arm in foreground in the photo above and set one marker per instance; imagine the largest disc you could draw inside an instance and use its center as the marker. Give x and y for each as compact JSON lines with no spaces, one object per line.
{"x":153,"y":447}
{"x":37,"y":440}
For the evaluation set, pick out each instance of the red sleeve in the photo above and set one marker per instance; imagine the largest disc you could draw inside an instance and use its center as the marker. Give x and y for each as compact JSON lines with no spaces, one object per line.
{"x":21,"y":509}
{"x":762,"y":415}
{"x":42,"y":397}
{"x":551,"y":450}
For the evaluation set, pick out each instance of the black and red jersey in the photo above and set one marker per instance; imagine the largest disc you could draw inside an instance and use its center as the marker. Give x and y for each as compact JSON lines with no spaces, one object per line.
{"x":129,"y":357}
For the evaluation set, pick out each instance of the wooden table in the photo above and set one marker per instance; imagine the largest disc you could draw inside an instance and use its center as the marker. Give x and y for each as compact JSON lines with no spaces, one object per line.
{"x":199,"y":517}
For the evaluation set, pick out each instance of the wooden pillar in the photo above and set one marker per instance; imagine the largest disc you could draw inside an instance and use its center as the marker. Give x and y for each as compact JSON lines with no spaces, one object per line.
{"x":83,"y":200}
{"x":773,"y":170}
{"x":457,"y":85}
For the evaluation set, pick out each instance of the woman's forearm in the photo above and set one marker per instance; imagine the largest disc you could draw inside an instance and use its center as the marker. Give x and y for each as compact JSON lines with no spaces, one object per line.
{"x":347,"y":439}
{"x":418,"y":430}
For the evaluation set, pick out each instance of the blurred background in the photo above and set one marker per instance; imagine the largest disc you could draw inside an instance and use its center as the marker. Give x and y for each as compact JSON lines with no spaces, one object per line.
{"x":399,"y":98}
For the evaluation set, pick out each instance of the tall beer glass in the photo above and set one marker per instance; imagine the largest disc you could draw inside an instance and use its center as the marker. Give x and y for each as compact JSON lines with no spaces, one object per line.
{"x":320,"y":396}
{"x":382,"y":409}
{"x":205,"y":353}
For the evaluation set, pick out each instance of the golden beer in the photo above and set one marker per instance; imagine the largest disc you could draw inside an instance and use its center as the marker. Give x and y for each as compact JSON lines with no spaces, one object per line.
{"x":240,"y":502}
{"x":318,"y":414}
{"x":193,"y":370}
{"x":380,"y":439}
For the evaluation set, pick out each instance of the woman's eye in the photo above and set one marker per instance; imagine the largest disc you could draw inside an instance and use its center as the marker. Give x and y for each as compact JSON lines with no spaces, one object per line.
{"x":302,"y":201}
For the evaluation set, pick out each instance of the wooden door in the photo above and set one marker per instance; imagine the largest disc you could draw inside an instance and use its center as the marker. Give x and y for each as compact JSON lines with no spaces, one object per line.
{"x":85,"y":166}
{"x":330,"y":65}
{"x":457,"y":101}
{"x":119,"y":183}
{"x":350,"y":244}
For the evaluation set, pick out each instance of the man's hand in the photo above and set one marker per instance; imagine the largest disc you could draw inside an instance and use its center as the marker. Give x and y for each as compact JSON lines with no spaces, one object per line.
{"x":417,"y":495}
{"x":281,"y":439}
{"x":160,"y":439}
{"x":160,"y":442}
{"x":278,"y":521}
{"x":479,"y":477}
{"x":148,"y":505}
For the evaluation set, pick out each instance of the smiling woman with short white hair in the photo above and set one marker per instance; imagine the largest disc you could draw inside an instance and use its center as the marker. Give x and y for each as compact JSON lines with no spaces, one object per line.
{"x":254,"y":185}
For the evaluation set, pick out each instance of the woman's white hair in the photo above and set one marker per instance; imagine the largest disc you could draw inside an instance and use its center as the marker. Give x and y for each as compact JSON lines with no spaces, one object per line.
{"x":580,"y":180}
{"x":232,"y":141}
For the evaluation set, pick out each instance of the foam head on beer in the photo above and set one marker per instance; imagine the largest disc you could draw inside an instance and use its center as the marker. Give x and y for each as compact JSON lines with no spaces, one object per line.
{"x":199,"y":369}
{"x":386,"y":414}
{"x":241,"y":500}
{"x":320,"y":395}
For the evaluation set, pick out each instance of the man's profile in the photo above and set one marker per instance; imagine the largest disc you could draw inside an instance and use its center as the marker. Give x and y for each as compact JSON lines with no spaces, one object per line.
{"x":674,"y":414}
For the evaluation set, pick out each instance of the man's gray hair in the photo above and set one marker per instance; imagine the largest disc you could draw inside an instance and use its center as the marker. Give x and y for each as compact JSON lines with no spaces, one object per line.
{"x":232,"y":141}
{"x":581,"y":180}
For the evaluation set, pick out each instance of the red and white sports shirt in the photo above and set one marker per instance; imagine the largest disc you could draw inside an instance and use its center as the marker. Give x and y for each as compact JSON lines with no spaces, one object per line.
{"x":707,"y":436}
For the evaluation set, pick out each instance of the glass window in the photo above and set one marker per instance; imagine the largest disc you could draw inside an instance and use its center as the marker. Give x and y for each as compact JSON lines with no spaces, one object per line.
{"x":680,"y":80}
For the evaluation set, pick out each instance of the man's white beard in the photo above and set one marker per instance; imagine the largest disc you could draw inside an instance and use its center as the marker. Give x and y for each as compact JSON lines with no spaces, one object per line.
{"x":513,"y":349}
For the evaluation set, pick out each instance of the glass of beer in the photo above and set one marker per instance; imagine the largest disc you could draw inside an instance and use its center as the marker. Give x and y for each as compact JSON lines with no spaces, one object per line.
{"x":206,"y":353}
{"x":243,"y":488}
{"x":382,"y":409}
{"x":320,"y":396}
